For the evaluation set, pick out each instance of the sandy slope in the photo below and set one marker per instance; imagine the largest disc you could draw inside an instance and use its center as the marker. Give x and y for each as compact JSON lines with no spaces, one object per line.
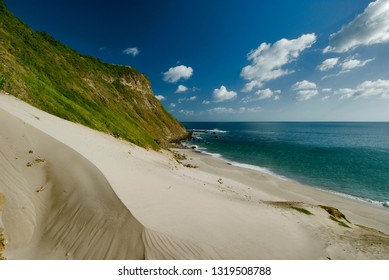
{"x":62,"y":183}
{"x":58,"y":205}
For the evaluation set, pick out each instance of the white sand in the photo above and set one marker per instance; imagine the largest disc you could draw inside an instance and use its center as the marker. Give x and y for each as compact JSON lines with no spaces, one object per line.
{"x":102,"y":198}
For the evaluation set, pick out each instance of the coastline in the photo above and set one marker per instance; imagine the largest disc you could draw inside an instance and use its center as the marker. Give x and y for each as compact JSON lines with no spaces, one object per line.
{"x":151,"y":206}
{"x":288,"y":189}
{"x":197,"y":149}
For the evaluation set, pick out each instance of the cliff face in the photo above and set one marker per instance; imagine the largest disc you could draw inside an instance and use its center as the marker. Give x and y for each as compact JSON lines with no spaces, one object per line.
{"x":51,"y":76}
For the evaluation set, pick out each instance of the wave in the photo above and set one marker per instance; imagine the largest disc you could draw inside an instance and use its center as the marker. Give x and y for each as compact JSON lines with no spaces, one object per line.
{"x":203,"y":150}
{"x":361,"y":199}
{"x":208,"y":131}
{"x":257,"y":168}
{"x":269,"y":172}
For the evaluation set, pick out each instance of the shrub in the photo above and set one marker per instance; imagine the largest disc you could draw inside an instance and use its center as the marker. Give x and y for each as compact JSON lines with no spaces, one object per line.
{"x":2,"y":82}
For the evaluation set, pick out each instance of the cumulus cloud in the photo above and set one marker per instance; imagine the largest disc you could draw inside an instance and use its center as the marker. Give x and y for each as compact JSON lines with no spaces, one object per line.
{"x":248,"y":87}
{"x":304,"y":85}
{"x":366,"y":89}
{"x":305,"y":90}
{"x":352,"y":63}
{"x":261,"y":94}
{"x":174,"y":74}
{"x":160,"y":97}
{"x":328,"y":64}
{"x":349,"y":64}
{"x":304,"y":95}
{"x":181,"y":88}
{"x":206,"y":102}
{"x":132,"y":51}
{"x":267,"y":61}
{"x":172,"y":105}
{"x":369,"y":28}
{"x":222,"y":94}
{"x":192,"y":98}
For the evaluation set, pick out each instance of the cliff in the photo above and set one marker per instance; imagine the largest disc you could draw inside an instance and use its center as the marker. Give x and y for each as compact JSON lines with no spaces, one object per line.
{"x":114,"y":99}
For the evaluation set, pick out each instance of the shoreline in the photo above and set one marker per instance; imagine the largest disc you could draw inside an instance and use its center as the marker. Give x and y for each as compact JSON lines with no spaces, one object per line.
{"x":265,"y":170}
{"x":92,"y":196}
{"x":306,"y":193}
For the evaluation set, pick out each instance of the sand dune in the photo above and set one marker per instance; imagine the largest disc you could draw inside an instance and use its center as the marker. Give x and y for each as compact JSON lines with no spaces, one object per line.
{"x":58,"y":205}
{"x":74,"y":193}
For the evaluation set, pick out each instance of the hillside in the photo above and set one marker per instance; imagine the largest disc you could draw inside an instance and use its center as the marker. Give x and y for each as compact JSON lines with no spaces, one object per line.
{"x":114,"y":99}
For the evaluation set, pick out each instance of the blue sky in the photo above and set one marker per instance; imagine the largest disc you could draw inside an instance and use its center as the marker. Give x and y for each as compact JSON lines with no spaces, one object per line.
{"x":237,"y":60}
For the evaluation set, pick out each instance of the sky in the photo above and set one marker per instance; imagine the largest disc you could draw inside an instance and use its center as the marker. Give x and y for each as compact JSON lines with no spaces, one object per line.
{"x":237,"y":60}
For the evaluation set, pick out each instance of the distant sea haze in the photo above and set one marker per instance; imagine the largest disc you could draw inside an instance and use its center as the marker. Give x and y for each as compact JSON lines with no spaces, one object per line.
{"x":348,"y":158}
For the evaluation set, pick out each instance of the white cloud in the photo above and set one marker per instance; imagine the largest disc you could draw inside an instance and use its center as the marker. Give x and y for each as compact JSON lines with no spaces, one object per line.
{"x":305,"y":90}
{"x":349,"y":64}
{"x":132,"y":51}
{"x":221,"y":110}
{"x":326,"y":90}
{"x":328,"y":64}
{"x":192,"y":98}
{"x":276,"y":98}
{"x":174,"y":74}
{"x":250,"y":110}
{"x":267,"y":60}
{"x":172,"y":105}
{"x":260,"y":95}
{"x":181,"y":88}
{"x":304,"y":85}
{"x":366,"y":89}
{"x":224,"y":110}
{"x":307,"y":94}
{"x":187,"y":113}
{"x":160,"y":97}
{"x":222,"y":94}
{"x":369,"y":28}
{"x":248,"y":87}
{"x":325,"y":97}
{"x":352,"y":63}
{"x":206,"y":102}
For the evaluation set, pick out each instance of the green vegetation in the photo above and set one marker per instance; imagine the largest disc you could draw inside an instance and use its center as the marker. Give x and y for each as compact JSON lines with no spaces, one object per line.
{"x":302,"y":210}
{"x":52,"y":77}
{"x":2,"y":81}
{"x":291,"y":205}
{"x":343,"y":224}
{"x":336,"y":215}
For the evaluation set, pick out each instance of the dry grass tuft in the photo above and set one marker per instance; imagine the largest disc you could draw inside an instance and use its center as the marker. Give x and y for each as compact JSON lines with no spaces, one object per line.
{"x":291,"y":205}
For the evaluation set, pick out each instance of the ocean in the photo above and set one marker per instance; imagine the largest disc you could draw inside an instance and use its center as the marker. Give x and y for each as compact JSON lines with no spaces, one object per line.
{"x":346,"y":158}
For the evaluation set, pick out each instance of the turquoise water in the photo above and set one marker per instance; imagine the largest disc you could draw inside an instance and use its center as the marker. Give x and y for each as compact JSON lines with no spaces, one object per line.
{"x":347,"y":158}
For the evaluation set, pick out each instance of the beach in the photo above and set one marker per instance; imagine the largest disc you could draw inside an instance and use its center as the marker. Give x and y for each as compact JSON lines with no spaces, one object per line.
{"x":74,"y":193}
